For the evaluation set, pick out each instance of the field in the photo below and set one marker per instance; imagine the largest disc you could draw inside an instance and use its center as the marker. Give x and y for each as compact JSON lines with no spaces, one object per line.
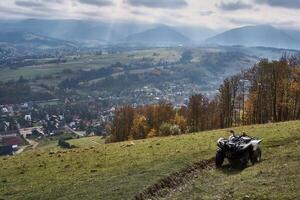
{"x":87,"y":61}
{"x":121,"y":170}
{"x":206,"y":57}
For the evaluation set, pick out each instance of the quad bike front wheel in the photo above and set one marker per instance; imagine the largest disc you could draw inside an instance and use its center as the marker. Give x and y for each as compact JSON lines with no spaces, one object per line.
{"x":256,"y":156}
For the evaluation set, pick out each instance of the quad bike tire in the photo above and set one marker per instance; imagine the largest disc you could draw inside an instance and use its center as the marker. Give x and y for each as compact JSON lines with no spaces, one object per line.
{"x":219,"y":158}
{"x":240,"y":163}
{"x":244,"y":161}
{"x":256,"y":156}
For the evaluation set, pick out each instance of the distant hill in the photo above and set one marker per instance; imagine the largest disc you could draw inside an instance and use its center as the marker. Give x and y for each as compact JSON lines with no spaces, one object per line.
{"x":160,"y":36}
{"x":76,"y":30}
{"x":95,"y":32}
{"x":27,"y":39}
{"x":293,"y":33}
{"x":263,"y":35}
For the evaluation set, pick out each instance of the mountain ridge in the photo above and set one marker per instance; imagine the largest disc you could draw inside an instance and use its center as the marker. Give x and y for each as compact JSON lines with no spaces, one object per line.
{"x":159,"y":36}
{"x":27,"y":38}
{"x":261,"y":35}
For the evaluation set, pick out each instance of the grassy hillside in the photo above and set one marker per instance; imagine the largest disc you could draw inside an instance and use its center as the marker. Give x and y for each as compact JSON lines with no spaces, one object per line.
{"x":121,"y":170}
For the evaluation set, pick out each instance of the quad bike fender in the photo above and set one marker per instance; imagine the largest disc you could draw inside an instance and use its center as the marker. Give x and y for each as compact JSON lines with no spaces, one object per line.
{"x":255,"y":144}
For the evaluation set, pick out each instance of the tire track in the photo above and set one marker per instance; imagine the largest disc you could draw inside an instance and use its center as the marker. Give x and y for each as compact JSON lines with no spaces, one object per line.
{"x":174,"y":181}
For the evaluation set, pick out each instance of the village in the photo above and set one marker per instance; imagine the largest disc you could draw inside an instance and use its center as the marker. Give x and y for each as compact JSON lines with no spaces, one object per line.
{"x":23,"y":125}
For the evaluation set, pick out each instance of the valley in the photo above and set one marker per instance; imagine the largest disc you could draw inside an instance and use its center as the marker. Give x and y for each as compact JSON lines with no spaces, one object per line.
{"x":95,"y":75}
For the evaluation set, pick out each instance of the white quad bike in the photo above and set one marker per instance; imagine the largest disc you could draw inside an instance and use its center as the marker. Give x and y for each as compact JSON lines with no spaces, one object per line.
{"x":238,"y":150}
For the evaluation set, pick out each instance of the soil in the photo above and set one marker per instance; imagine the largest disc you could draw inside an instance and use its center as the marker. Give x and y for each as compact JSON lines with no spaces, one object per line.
{"x":175,"y":181}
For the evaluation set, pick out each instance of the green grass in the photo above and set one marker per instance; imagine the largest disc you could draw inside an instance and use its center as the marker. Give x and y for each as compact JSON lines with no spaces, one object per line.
{"x":87,"y":142}
{"x":276,"y":177}
{"x":120,"y":170}
{"x":52,"y":142}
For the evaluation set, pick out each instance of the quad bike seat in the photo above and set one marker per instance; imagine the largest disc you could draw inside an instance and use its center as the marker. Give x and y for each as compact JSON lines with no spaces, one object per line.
{"x":246,"y":139}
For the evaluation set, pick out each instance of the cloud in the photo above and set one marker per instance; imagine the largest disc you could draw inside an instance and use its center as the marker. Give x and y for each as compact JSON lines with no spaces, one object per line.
{"x":99,"y":3}
{"x":246,"y":21}
{"x":206,"y":12}
{"x":29,"y":4}
{"x":27,"y":13}
{"x":232,"y":6}
{"x":171,"y":4}
{"x":281,"y":3}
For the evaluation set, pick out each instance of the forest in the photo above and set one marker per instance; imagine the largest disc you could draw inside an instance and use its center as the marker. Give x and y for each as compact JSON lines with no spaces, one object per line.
{"x":267,"y":92}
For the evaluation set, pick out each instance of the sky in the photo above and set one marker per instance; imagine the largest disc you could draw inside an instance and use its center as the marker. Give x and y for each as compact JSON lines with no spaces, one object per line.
{"x":213,"y":14}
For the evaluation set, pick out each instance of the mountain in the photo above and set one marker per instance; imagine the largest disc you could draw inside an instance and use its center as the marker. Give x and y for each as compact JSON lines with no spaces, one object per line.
{"x":293,"y":33}
{"x":77,"y":30}
{"x":262,"y":35}
{"x":93,"y":32}
{"x":160,"y":36}
{"x":197,"y":34}
{"x":27,"y":39}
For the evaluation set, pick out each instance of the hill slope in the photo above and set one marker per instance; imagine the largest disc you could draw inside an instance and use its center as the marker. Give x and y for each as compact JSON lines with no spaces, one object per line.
{"x":74,"y":30}
{"x":27,"y":39}
{"x":160,"y":36}
{"x":121,"y":170}
{"x":263,"y":35}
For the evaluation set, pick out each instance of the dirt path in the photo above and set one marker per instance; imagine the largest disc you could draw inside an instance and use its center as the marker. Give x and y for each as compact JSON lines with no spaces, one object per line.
{"x":20,"y":150}
{"x":32,"y":143}
{"x":174,"y":181}
{"x":79,"y":133}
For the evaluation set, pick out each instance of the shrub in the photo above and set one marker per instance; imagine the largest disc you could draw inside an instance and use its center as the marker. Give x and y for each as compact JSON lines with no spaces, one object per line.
{"x":109,"y":139}
{"x":167,"y":129}
{"x":175,"y":130}
{"x":152,"y":133}
{"x":181,"y":122}
{"x":65,"y":145}
{"x":164,"y":129}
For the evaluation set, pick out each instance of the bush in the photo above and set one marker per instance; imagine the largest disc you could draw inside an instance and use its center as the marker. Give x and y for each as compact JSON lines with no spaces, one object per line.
{"x":65,"y":145}
{"x":175,"y":130}
{"x":109,"y":139}
{"x":152,"y":133}
{"x":167,"y":129}
{"x":164,"y":129}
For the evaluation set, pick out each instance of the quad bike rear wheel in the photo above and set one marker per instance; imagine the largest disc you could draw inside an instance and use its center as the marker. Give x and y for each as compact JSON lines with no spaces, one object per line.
{"x":241,"y":162}
{"x":244,"y":161}
{"x":256,"y":156}
{"x":219,"y":158}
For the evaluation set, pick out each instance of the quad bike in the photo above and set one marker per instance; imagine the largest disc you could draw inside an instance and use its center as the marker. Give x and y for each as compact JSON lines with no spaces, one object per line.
{"x":238,"y":150}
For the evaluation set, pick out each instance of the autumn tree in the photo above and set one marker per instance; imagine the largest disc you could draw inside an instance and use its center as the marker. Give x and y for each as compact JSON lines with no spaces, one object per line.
{"x":122,"y":124}
{"x":197,"y":109}
{"x":139,"y":129}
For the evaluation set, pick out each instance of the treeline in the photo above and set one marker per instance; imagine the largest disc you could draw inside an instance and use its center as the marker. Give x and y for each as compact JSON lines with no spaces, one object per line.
{"x":147,"y":121}
{"x":86,"y":76}
{"x":267,"y":92}
{"x":19,"y":91}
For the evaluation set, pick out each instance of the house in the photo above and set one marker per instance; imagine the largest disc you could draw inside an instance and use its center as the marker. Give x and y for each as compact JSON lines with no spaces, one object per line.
{"x":27,"y":118}
{"x":6,"y":150}
{"x":13,"y":141}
